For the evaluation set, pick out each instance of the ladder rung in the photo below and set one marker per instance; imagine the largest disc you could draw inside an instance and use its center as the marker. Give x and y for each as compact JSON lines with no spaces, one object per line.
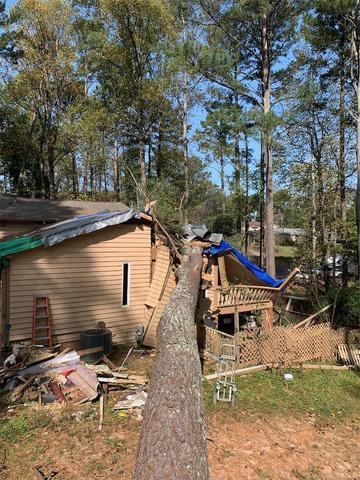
{"x":41,"y":317}
{"x":41,"y":305}
{"x":42,"y":327}
{"x":42,"y":338}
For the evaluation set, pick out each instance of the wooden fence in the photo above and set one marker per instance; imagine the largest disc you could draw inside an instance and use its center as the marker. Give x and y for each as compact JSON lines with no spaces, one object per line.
{"x":283,"y":345}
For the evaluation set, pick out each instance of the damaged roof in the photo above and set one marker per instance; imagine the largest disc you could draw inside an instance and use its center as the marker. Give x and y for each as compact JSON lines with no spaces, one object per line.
{"x":46,"y":211}
{"x":54,"y":234}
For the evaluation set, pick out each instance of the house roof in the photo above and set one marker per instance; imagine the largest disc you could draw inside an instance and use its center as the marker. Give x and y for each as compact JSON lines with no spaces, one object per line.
{"x":46,"y":211}
{"x":289,"y":231}
{"x":72,"y":228}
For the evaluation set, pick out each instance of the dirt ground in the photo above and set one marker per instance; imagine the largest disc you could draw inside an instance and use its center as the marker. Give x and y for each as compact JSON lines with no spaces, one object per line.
{"x":64,"y":443}
{"x":263,"y":448}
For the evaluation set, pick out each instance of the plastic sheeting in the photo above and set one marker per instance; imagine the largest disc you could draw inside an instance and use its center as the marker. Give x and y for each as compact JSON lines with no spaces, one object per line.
{"x":85,"y":224}
{"x":224,"y":247}
{"x":49,"y":236}
{"x":16,"y":245}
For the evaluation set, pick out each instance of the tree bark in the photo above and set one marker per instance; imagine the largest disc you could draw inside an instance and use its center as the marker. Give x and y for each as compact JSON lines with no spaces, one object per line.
{"x":116,"y":169}
{"x":269,"y":203}
{"x":261,"y":203}
{"x":342,"y":172}
{"x":74,"y":174}
{"x":172,"y":443}
{"x":355,"y":77}
{"x":185,"y":142}
{"x":142,"y":164}
{"x":313,"y":223}
{"x":247,"y":209}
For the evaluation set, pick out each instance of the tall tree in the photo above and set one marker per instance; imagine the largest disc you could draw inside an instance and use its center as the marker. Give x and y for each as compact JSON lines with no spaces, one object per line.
{"x":262,"y":32}
{"x":44,"y":84}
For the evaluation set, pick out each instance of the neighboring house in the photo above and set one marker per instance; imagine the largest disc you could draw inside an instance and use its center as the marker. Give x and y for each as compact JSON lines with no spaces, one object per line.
{"x":288,"y":235}
{"x":21,"y":215}
{"x":93,"y":268}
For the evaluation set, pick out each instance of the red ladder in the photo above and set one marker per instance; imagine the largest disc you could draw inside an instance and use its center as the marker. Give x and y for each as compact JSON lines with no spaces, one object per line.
{"x":41,"y":329}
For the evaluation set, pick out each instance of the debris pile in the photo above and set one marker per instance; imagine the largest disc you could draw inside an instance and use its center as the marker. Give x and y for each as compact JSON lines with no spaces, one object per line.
{"x":46,"y":375}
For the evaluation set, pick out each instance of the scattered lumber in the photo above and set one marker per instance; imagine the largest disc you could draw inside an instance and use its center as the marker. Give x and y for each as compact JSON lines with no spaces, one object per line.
{"x":349,"y":354}
{"x":306,"y":366}
{"x":88,"y":351}
{"x":308,"y":320}
{"x":240,"y":371}
{"x":131,"y":380}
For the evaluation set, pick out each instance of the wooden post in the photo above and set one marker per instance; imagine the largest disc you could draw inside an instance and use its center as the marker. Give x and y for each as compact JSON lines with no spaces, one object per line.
{"x":172,"y":443}
{"x":270,"y":316}
{"x":236,"y":321}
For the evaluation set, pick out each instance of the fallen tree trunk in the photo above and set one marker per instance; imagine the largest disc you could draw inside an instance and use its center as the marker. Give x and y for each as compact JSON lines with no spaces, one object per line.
{"x":172,"y":443}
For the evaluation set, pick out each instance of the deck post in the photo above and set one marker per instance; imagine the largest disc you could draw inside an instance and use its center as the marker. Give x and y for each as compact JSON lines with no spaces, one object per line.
{"x":236,"y":321}
{"x":270,"y":315}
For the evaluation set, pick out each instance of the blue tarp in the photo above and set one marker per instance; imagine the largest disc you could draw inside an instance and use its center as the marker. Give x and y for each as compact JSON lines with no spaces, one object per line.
{"x":224,"y":247}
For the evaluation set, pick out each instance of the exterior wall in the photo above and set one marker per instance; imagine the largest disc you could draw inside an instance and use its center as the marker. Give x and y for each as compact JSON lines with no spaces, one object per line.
{"x":82,"y":278}
{"x":8,"y":228}
{"x":161,"y":288}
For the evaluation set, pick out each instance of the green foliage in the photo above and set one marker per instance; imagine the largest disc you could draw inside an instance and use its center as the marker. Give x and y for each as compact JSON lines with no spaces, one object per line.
{"x":347,"y":312}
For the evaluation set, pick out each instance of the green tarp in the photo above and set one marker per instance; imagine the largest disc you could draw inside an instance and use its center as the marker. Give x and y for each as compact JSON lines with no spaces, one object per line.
{"x":16,"y":245}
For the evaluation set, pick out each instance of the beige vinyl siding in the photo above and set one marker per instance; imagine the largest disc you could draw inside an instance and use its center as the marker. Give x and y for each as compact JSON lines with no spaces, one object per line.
{"x":9,"y":229}
{"x":159,"y":276}
{"x":82,"y":278}
{"x":155,"y":313}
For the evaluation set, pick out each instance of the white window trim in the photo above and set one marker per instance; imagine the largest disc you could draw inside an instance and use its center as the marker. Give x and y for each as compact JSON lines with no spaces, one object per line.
{"x":128,"y":284}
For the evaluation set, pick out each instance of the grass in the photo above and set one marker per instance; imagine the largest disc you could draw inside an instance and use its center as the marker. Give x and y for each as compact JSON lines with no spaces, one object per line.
{"x":326,"y":394}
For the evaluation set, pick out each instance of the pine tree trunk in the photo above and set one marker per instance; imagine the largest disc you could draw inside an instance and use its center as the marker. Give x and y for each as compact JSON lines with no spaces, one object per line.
{"x":116,"y":170}
{"x":355,"y":77}
{"x":358,"y":182}
{"x":261,"y":202}
{"x":247,"y":209}
{"x":185,"y":142}
{"x":74,"y":175}
{"x":222,"y":182}
{"x":342,"y":170}
{"x":313,"y":223}
{"x":269,"y":203}
{"x":172,"y":443}
{"x":142,"y":164}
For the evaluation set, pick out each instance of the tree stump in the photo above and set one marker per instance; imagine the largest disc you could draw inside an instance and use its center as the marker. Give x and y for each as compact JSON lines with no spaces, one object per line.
{"x":172,"y":443}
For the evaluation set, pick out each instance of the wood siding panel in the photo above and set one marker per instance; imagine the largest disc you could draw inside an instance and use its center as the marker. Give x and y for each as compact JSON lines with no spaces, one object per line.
{"x":82,"y":278}
{"x":155,"y":313}
{"x":159,"y":277}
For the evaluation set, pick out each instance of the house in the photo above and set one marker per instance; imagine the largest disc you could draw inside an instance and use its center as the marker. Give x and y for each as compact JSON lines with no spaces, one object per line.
{"x":21,"y":215}
{"x":98,"y":267}
{"x":116,"y":268}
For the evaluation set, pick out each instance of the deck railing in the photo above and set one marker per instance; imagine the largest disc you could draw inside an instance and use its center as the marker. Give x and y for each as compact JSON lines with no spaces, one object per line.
{"x":240,"y":294}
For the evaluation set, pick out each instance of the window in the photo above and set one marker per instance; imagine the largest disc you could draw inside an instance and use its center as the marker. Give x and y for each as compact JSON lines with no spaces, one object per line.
{"x":125,"y":286}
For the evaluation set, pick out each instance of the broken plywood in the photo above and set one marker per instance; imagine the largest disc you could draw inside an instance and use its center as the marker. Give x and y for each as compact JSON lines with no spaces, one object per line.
{"x":159,"y":276}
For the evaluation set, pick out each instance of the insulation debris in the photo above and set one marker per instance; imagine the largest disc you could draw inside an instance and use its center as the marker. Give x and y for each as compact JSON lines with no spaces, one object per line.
{"x":132,"y":401}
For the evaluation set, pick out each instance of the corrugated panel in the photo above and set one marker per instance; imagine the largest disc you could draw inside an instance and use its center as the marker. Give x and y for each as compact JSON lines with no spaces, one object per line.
{"x":159,"y":276}
{"x":83,"y":279}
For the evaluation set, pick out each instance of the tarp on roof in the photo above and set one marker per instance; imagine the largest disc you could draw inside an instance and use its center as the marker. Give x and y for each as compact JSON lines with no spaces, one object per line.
{"x":224,"y":247}
{"x":85,"y":224}
{"x":49,"y":236}
{"x":16,"y":245}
